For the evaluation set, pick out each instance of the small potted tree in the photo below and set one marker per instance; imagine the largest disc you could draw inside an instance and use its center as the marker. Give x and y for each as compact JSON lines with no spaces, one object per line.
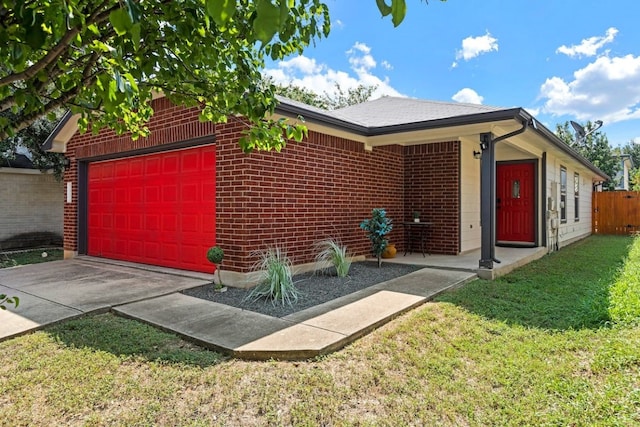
{"x":377,"y":227}
{"x":215,"y":254}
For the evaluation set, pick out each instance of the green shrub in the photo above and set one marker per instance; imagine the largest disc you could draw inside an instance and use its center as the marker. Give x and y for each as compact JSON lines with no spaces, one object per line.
{"x":6,"y":262}
{"x":215,"y":255}
{"x":276,"y":278}
{"x":332,"y":254}
{"x":624,"y":294}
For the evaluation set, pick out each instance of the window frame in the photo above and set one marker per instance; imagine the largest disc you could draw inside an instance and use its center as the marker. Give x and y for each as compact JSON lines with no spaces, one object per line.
{"x":563,"y":194}
{"x":576,"y":196}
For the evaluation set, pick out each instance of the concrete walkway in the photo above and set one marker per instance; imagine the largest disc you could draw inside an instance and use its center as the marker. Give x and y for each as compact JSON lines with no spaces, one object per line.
{"x":60,"y":290}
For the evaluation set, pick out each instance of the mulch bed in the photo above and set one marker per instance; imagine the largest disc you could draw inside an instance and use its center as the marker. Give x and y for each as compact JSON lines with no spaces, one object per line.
{"x":314,"y":289}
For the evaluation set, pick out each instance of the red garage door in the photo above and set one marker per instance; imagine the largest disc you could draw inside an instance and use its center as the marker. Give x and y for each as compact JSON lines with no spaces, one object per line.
{"x":154,"y":209}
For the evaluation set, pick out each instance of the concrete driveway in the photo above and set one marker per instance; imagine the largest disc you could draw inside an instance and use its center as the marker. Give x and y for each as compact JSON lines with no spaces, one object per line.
{"x":59,"y":290}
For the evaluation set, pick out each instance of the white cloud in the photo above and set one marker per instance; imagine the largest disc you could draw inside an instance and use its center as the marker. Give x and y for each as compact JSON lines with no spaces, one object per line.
{"x":468,"y":96}
{"x":386,"y":65}
{"x":533,"y":111}
{"x":301,"y":63}
{"x":360,"y":58}
{"x":607,"y":89}
{"x":636,"y":140}
{"x":476,"y":46}
{"x":319,"y":78}
{"x":590,"y":46}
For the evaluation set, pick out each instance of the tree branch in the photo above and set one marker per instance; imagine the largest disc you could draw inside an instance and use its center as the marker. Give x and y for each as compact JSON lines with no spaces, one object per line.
{"x":96,"y":17}
{"x":50,"y":57}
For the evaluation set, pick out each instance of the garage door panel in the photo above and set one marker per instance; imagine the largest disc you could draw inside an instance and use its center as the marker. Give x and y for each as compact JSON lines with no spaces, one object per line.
{"x":155,"y":209}
{"x":170,"y":193}
{"x":136,"y":168}
{"x":152,"y":167}
{"x":170,"y":223}
{"x":170,"y":252}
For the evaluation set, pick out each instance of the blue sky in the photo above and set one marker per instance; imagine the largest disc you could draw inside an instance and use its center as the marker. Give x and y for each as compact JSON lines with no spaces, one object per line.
{"x":559,"y":59}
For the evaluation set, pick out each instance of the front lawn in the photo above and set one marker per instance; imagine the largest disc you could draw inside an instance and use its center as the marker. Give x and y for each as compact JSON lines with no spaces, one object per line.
{"x":537,"y":347}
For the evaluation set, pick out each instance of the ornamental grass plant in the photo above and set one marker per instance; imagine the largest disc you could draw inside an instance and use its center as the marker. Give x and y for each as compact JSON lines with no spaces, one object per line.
{"x":330,"y":253}
{"x":276,"y":278}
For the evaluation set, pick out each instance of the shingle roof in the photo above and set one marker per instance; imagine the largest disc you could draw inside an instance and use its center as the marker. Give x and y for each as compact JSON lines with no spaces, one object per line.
{"x":391,"y":111}
{"x":19,"y":161}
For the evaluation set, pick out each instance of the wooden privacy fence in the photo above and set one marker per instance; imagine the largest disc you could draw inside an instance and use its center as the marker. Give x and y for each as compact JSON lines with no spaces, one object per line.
{"x":616,"y":212}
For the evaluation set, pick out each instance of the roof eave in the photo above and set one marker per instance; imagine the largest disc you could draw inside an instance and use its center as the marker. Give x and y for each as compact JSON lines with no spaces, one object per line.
{"x":57,"y":140}
{"x":328,"y":120}
{"x":563,"y":146}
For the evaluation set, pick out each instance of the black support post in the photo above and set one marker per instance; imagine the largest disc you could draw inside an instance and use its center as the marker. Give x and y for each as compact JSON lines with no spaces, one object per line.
{"x":487,"y":200}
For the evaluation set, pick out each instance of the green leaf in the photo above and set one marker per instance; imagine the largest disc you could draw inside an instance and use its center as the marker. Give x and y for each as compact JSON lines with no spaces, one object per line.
{"x":17,"y":53}
{"x":135,"y":36}
{"x":384,"y":8}
{"x":36,"y":37}
{"x":132,"y":82}
{"x":399,"y":10}
{"x":267,"y":22}
{"x":119,"y":82}
{"x":221,"y":10}
{"x":284,"y":11}
{"x":19,"y":97}
{"x":121,"y":21}
{"x":133,"y":9}
{"x":94,"y":29}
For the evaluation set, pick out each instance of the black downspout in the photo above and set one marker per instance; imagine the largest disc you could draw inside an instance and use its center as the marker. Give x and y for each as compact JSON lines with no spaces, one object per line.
{"x":488,"y":195}
{"x":83,"y":196}
{"x":544,"y":200}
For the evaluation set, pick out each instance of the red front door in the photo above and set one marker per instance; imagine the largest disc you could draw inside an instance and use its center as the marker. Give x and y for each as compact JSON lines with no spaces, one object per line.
{"x":154,"y":209}
{"x":515,"y":202}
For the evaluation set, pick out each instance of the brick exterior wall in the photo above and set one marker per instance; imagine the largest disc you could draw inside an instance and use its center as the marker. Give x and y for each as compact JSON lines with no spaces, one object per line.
{"x":313,"y":190}
{"x":31,"y":203}
{"x":320,"y":188}
{"x":432,"y":187}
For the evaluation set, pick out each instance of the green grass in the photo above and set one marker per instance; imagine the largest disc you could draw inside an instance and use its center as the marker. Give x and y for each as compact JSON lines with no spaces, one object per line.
{"x":624,"y":298}
{"x":11,"y":259}
{"x":568,"y":289}
{"x":534,"y":348}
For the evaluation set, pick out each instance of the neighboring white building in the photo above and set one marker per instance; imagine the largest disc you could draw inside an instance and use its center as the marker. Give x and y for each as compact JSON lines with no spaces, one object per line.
{"x":32,"y":206}
{"x":622,"y":177}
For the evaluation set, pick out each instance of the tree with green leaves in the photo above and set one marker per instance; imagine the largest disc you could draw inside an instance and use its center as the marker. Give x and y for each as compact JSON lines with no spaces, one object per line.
{"x":31,"y":139}
{"x":633,"y":149}
{"x":595,"y":148}
{"x":105,"y":59}
{"x":634,"y":179}
{"x":327,"y":101}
